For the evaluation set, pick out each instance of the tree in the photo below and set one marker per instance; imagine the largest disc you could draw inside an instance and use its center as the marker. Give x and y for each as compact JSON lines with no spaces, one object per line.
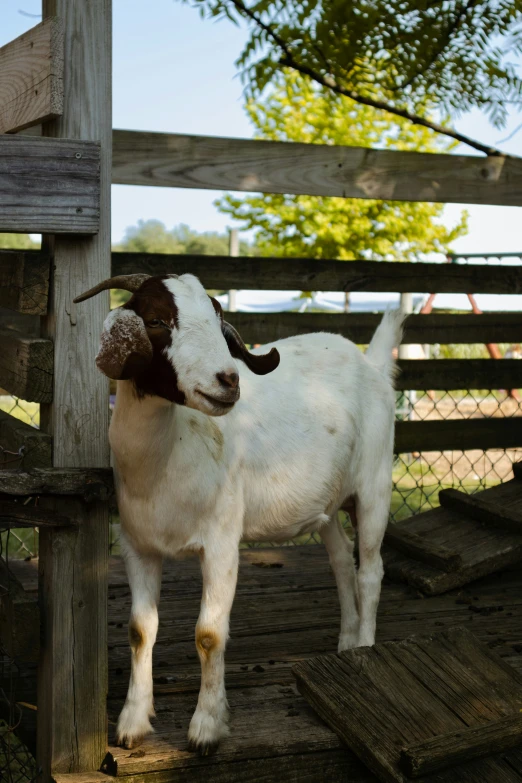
{"x":399,"y":55}
{"x":151,"y":236}
{"x":336,"y":227}
{"x":17,"y":242}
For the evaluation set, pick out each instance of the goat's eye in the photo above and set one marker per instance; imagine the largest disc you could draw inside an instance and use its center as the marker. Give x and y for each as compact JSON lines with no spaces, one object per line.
{"x":154,"y":323}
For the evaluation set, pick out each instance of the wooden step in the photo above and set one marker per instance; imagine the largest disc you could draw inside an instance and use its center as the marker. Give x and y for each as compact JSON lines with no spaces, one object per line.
{"x":89,"y":483}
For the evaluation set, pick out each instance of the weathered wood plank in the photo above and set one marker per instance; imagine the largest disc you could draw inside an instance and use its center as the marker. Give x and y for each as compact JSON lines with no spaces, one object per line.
{"x":24,"y":281}
{"x":422,"y":549}
{"x":15,"y":435}
{"x":26,"y":366}
{"x":49,"y":185}
{"x":175,"y":160}
{"x":19,"y":618}
{"x":449,"y":750}
{"x":360,"y":327}
{"x":458,"y":434}
{"x":31,"y":77}
{"x":89,"y":483}
{"x":13,"y":515}
{"x":483,"y":510}
{"x":72,"y":717}
{"x":20,"y":322}
{"x":459,"y":374}
{"x":310,"y":274}
{"x":380,"y":698}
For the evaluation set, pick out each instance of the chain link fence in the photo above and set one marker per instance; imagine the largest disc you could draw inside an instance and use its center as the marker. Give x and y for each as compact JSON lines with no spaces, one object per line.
{"x":17,"y":764}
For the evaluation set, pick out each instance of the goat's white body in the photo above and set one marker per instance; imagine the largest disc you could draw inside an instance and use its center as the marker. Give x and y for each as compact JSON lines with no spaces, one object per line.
{"x":316,"y":431}
{"x":278,"y":465}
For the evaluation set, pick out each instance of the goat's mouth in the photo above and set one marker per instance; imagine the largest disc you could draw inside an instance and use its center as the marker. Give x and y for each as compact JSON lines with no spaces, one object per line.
{"x":220,"y":403}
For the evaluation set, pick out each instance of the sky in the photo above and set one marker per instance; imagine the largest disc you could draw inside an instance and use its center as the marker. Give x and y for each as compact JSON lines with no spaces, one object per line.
{"x":174,"y":72}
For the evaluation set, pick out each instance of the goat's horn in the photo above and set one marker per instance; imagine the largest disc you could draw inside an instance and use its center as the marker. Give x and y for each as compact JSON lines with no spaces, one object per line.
{"x":124,"y":282}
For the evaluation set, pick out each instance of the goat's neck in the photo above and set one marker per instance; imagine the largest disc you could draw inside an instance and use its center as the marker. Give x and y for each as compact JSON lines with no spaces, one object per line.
{"x":141,"y":430}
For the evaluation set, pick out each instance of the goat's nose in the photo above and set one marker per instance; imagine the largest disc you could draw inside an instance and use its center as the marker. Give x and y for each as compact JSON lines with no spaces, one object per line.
{"x":229,"y":380}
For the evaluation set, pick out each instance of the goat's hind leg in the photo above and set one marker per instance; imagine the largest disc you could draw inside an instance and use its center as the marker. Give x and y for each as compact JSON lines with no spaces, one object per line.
{"x":340,"y":552}
{"x":372,"y":518}
{"x":144,"y":574}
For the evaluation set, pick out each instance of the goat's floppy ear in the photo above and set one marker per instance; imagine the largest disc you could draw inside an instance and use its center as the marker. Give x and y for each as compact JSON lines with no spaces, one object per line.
{"x":125,"y":349}
{"x":259,"y":364}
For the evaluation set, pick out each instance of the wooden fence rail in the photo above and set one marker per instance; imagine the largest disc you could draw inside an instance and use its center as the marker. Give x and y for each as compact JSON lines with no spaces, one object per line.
{"x":308,"y":274}
{"x":210,"y":162}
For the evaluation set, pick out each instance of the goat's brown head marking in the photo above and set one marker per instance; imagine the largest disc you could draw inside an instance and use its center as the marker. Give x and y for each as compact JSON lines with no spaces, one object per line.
{"x":171,"y":339}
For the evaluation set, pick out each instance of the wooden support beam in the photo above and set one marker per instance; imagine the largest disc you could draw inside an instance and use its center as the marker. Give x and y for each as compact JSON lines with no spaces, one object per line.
{"x":36,"y":445}
{"x":310,"y":274}
{"x":175,"y":160}
{"x":13,"y":515}
{"x":73,"y":679}
{"x":360,"y":327}
{"x":24,"y":281}
{"x":49,"y":185}
{"x":88,"y":483}
{"x":19,"y":618}
{"x":460,"y":434}
{"x":31,"y":77}
{"x":422,"y":549}
{"x":483,"y":510}
{"x":458,"y":747}
{"x":447,"y":374}
{"x":26,"y":366}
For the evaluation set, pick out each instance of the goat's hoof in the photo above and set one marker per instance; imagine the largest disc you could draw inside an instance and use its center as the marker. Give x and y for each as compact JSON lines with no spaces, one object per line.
{"x":203,"y":748}
{"x":132,"y":727}
{"x":205,"y":732}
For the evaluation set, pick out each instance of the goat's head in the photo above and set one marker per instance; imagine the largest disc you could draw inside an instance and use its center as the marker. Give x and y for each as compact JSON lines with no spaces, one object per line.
{"x":170,"y":338}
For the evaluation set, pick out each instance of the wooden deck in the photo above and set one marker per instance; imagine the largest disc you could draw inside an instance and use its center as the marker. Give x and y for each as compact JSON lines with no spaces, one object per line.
{"x":286,"y":609}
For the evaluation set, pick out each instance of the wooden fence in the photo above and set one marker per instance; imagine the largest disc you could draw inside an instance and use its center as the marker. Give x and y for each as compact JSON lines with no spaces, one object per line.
{"x":59,"y":184}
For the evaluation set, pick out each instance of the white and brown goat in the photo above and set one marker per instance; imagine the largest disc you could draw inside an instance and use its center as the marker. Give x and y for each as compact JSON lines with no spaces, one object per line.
{"x":290,"y":449}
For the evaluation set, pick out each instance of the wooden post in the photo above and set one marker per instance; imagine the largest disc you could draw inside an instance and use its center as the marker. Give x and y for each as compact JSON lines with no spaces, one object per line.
{"x":72,"y":722}
{"x":233,"y":249}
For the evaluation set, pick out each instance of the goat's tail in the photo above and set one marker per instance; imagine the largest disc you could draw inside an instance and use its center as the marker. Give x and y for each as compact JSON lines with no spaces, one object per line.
{"x":387,"y":337}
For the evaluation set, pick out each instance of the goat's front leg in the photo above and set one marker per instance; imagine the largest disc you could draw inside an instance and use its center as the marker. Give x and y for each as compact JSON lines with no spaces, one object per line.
{"x":210,"y":720}
{"x":144,"y":574}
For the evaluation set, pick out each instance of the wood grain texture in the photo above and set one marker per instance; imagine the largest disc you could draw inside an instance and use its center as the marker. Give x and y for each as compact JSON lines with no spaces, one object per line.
{"x":483,"y":510}
{"x":90,"y":484}
{"x":26,"y":366}
{"x":19,"y":618}
{"x":379,"y":699}
{"x":31,"y":77}
{"x":49,"y":185}
{"x":360,"y":327}
{"x":36,"y":445}
{"x":72,"y":718}
{"x":310,"y":274}
{"x":461,"y":434}
{"x":175,"y":160}
{"x":483,"y":548}
{"x":286,"y":610}
{"x":24,"y":281}
{"x":411,"y":544}
{"x":449,"y":750}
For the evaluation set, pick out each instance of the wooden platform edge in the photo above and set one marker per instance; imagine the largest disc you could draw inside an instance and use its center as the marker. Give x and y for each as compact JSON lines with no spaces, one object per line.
{"x":482,"y":510}
{"x":14,"y":515}
{"x":19,"y":618}
{"x":458,"y":747}
{"x":421,"y":549}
